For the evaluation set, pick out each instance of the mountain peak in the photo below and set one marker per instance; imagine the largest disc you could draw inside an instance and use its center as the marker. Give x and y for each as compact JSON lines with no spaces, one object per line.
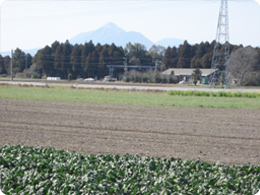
{"x":111,"y":33}
{"x":110,"y":25}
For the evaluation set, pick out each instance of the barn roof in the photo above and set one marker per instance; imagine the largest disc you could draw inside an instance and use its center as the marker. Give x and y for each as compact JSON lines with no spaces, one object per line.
{"x":187,"y":71}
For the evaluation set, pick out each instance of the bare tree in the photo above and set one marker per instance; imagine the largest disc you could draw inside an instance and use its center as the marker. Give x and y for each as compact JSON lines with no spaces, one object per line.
{"x":244,"y":65}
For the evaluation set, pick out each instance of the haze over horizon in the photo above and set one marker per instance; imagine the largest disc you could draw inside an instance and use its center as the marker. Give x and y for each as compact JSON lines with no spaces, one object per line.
{"x":34,"y":24}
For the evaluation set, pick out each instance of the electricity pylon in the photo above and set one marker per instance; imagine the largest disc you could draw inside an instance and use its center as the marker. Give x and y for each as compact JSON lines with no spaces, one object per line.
{"x":220,"y":57}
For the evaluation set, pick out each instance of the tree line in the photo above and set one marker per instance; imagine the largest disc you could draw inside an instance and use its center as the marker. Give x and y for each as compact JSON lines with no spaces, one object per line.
{"x":192,"y":56}
{"x":89,"y":60}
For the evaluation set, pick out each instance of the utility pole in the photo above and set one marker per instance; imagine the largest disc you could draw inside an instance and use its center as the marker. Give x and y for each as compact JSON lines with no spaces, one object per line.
{"x":220,"y":59}
{"x":26,"y":63}
{"x":156,"y":66}
{"x":11,"y":65}
{"x":125,"y":69}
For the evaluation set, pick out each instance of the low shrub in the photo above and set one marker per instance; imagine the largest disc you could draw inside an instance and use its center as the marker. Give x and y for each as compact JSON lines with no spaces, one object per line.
{"x":215,"y":94}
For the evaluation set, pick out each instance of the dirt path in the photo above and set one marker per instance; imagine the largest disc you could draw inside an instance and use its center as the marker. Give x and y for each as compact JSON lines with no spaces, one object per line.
{"x":230,"y":136}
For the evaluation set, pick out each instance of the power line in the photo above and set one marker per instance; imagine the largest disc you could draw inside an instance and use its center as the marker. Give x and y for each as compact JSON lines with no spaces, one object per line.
{"x":97,"y":9}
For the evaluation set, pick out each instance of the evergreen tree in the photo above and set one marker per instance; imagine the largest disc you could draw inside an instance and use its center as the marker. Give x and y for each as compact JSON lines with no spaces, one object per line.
{"x":98,"y":49}
{"x":75,"y":60}
{"x":7,"y":64}
{"x":174,"y":57}
{"x":28,"y":60}
{"x":104,"y":59}
{"x":2,"y":66}
{"x":45,"y":61}
{"x":58,"y":61}
{"x":91,"y":65}
{"x":196,"y":76}
{"x":184,"y":55}
{"x":201,"y":50}
{"x":18,"y":61}
{"x":87,"y":49}
{"x":66,"y":65}
{"x":116,"y":54}
{"x":206,"y":60}
{"x":55,"y":45}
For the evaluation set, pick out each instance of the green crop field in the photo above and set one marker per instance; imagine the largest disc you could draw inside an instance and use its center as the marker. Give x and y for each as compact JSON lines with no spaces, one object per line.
{"x":35,"y":170}
{"x":127,"y":97}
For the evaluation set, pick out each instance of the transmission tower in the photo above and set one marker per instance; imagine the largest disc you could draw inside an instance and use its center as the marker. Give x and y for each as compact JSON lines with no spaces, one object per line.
{"x":220,"y":57}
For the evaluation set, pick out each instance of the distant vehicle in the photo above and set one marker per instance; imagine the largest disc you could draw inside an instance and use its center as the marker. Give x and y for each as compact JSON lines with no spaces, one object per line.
{"x":53,"y":78}
{"x":183,"y":82}
{"x":89,"y":79}
{"x":109,"y":79}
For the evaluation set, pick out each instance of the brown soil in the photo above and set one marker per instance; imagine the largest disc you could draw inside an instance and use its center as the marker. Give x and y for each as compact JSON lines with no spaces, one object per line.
{"x":231,"y":136}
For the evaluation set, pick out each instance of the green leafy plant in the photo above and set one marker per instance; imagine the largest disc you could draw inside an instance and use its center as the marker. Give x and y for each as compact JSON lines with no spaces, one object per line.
{"x":37,"y":170}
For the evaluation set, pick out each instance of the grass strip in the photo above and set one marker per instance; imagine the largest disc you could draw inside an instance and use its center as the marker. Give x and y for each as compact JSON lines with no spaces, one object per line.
{"x":126,"y":97}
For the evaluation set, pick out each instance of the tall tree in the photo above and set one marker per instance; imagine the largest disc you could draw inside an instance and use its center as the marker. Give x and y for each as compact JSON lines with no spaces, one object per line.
{"x":91,"y":65}
{"x":45,"y":61}
{"x":28,"y":60}
{"x":116,"y":54}
{"x":2,"y":66}
{"x":103,"y":59}
{"x":184,"y":55}
{"x":55,"y":45}
{"x":75,"y":60}
{"x":244,"y":65}
{"x":137,"y":54}
{"x":7,"y":64}
{"x":201,"y":50}
{"x":66,"y":65}
{"x":87,"y":49}
{"x":58,"y":61}
{"x":167,"y":58}
{"x":157,"y":52}
{"x":18,"y":61}
{"x":196,"y":76}
{"x":174,"y":57}
{"x":206,"y":60}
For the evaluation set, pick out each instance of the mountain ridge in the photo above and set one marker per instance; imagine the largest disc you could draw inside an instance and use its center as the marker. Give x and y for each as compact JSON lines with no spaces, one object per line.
{"x":111,"y":33}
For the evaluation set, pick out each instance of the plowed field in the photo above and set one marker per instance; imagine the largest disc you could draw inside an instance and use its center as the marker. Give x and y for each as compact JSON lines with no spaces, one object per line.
{"x":231,"y":136}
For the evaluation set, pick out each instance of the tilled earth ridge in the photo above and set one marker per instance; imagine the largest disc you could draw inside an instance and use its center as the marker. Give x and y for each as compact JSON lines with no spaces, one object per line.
{"x":230,"y":136}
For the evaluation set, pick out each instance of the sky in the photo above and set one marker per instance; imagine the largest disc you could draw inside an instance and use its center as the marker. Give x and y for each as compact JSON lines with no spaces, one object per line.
{"x":29,"y":24}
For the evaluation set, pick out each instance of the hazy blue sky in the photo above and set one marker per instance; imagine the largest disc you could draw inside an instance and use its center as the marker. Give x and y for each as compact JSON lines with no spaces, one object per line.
{"x":31,"y":24}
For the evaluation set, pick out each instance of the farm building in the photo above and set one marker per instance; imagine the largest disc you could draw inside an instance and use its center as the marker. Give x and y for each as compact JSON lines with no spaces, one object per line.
{"x":184,"y":74}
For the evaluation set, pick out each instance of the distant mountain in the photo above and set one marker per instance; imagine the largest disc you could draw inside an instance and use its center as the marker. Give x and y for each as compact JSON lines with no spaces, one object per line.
{"x":111,"y":33}
{"x":170,"y":42}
